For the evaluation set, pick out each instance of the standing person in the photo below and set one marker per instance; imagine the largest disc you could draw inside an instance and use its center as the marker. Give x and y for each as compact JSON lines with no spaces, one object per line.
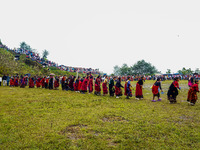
{"x":128,"y":91}
{"x":192,"y":93}
{"x":98,"y":86}
{"x":71,"y":83}
{"x":84,"y":86}
{"x":63,"y":82}
{"x":111,"y":86}
{"x":138,"y":91}
{"x":4,"y":80}
{"x":16,"y":81}
{"x":56,"y":83}
{"x":23,"y":83}
{"x":104,"y":85}
{"x":90,"y":84}
{"x":46,"y":82}
{"x":77,"y":85}
{"x":8,"y":79}
{"x":118,"y":86}
{"x":12,"y":82}
{"x":155,"y":90}
{"x":31,"y":82}
{"x":173,"y":91}
{"x":51,"y":82}
{"x":43,"y":82}
{"x":38,"y":82}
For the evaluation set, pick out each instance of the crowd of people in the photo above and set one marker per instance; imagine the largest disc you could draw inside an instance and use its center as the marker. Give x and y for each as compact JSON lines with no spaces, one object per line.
{"x":47,"y":63}
{"x":102,"y":85}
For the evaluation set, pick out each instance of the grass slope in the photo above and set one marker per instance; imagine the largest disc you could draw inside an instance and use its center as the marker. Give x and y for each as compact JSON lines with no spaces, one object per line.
{"x":56,"y":119}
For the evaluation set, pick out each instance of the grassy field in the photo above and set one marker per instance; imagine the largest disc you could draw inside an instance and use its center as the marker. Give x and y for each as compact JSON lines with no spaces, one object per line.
{"x":56,"y":119}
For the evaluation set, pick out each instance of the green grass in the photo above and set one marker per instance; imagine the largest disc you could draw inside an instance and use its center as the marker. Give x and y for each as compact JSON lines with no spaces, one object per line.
{"x":56,"y":119}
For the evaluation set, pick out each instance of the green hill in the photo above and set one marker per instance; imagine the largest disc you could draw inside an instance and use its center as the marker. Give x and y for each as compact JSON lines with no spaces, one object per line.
{"x":8,"y":65}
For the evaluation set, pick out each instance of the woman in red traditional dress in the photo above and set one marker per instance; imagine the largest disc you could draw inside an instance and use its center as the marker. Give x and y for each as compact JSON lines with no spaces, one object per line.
{"x":38,"y":83}
{"x":138,"y":92}
{"x":104,"y":85}
{"x":90,"y":84}
{"x":56,"y":83}
{"x":98,"y":86}
{"x":192,"y":93}
{"x":84,"y":86}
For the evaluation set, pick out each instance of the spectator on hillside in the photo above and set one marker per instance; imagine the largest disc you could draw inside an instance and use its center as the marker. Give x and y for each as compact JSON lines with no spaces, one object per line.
{"x":0,"y":80}
{"x":8,"y":79}
{"x":4,"y":80}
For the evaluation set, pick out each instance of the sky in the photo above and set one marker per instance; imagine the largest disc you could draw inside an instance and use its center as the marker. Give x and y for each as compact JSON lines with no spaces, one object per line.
{"x":105,"y":33}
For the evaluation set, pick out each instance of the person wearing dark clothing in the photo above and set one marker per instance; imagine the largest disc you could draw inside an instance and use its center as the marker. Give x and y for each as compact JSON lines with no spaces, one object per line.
{"x":173,"y":91}
{"x":51,"y":83}
{"x":4,"y":80}
{"x":155,"y":90}
{"x":111,"y":87}
{"x":118,"y":86}
{"x":138,"y":91}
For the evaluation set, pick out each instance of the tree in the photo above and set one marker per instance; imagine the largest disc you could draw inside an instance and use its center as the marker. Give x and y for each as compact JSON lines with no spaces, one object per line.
{"x":197,"y":71}
{"x":185,"y":71}
{"x":143,"y":68}
{"x":25,"y":46}
{"x":0,"y":42}
{"x":168,"y":71}
{"x":45,"y":53}
{"x":117,"y":70}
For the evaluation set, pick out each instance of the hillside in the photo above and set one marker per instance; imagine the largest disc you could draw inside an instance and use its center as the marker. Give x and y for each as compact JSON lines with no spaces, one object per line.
{"x":8,"y":65}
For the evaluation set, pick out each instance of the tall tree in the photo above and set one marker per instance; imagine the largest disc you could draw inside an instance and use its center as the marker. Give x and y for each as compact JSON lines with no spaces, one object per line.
{"x":0,"y":42}
{"x":168,"y":71}
{"x":197,"y":71}
{"x":143,"y":68}
{"x":116,"y":70}
{"x":45,"y":53}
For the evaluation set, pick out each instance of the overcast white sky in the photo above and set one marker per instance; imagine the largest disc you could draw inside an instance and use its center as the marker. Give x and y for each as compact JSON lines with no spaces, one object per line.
{"x":102,"y":34}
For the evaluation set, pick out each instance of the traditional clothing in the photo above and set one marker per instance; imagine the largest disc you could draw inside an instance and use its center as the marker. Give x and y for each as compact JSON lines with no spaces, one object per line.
{"x":31,"y":83}
{"x":111,"y":87}
{"x":118,"y":91}
{"x":138,"y":91}
{"x":56,"y":83}
{"x":46,"y":83}
{"x":90,"y":85}
{"x":105,"y":88}
{"x":38,"y":83}
{"x":71,"y":83}
{"x":12,"y":83}
{"x":63,"y":82}
{"x":173,"y":92}
{"x":84,"y":85}
{"x":77,"y":85}
{"x":97,"y":86}
{"x":43,"y":82}
{"x":23,"y":82}
{"x":192,"y":94}
{"x":16,"y":82}
{"x":155,"y":89}
{"x":51,"y":83}
{"x":127,"y":89}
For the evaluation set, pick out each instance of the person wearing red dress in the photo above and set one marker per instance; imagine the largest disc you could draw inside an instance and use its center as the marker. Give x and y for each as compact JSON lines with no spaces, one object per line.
{"x":90,"y":84}
{"x":38,"y":82}
{"x":84,"y":86}
{"x":138,"y":91}
{"x":104,"y":85}
{"x":98,"y":86}
{"x":192,"y":93}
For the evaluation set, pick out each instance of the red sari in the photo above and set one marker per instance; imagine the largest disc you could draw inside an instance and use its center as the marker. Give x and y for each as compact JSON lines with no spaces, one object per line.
{"x":90,"y":85}
{"x":38,"y":83}
{"x":138,"y":91}
{"x":97,"y":85}
{"x":84,"y":85}
{"x":56,"y":83}
{"x":105,"y":88}
{"x":12,"y":83}
{"x":43,"y":82}
{"x":31,"y":83}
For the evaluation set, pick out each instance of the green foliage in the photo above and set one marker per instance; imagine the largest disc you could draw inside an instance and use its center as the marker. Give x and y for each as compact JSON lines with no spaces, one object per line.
{"x":56,"y":119}
{"x":185,"y":71}
{"x":141,"y":67}
{"x":25,"y":46}
{"x":168,"y":71}
{"x":0,"y":42}
{"x":45,"y":53}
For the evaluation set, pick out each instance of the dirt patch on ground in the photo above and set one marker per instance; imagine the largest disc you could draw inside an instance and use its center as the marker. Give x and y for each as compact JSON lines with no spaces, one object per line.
{"x":73,"y":132}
